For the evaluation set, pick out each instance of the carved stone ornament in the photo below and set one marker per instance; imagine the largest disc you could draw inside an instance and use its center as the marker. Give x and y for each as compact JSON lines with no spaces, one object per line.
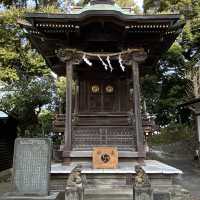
{"x":75,"y":183}
{"x":75,"y":179}
{"x":66,"y":55}
{"x":141,"y":178}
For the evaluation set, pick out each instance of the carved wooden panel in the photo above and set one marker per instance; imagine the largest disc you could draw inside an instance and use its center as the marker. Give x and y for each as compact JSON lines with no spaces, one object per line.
{"x":85,"y":138}
{"x":104,"y":158}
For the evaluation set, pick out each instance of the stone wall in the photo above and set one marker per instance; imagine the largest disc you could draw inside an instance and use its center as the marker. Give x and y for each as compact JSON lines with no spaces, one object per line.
{"x":181,"y":148}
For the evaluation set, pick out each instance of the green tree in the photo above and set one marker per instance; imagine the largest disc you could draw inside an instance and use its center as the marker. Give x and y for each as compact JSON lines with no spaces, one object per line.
{"x":24,"y":99}
{"x":29,"y":85}
{"x":17,"y":59}
{"x":174,"y":64}
{"x":182,"y":6}
{"x":151,"y":89}
{"x":45,"y":119}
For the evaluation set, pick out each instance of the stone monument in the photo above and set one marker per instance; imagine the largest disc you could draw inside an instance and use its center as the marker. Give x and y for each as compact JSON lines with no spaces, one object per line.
{"x":31,"y":167}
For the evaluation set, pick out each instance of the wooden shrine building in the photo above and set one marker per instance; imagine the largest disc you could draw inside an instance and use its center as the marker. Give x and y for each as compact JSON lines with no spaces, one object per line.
{"x":103,"y":49}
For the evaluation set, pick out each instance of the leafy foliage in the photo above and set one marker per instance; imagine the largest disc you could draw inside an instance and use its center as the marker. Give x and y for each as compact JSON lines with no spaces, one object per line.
{"x":180,"y":6}
{"x":24,"y":99}
{"x":176,"y":63}
{"x":29,"y":85}
{"x":171,"y":134}
{"x":45,"y":119}
{"x":16,"y":56}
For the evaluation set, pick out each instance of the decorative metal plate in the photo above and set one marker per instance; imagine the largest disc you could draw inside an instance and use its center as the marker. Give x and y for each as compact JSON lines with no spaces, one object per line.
{"x":109,"y":89}
{"x":95,"y":89}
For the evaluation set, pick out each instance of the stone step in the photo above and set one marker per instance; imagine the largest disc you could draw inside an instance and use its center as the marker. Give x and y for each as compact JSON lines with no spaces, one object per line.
{"x":119,"y":193}
{"x":107,"y":197}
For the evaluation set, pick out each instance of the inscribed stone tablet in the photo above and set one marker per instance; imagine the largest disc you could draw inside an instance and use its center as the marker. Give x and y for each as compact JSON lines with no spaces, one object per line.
{"x":31,"y":166}
{"x":161,"y":196}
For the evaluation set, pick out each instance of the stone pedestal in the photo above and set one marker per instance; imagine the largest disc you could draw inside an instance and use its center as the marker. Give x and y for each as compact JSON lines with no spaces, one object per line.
{"x":118,"y":184}
{"x":73,"y":193}
{"x":142,"y":193}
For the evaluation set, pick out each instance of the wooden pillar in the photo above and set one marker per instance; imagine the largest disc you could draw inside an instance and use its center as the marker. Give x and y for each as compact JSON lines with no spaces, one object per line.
{"x":68,"y":113}
{"x":76,"y":97}
{"x":198,"y":129}
{"x":137,"y":109}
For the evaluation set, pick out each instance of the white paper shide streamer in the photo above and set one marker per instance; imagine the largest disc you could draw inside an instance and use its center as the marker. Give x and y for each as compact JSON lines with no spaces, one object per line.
{"x":120,"y":63}
{"x":103,"y":63}
{"x":109,"y":63}
{"x":86,"y":60}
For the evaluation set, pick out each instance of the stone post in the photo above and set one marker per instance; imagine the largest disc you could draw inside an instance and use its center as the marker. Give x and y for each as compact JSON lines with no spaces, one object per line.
{"x":142,"y":186}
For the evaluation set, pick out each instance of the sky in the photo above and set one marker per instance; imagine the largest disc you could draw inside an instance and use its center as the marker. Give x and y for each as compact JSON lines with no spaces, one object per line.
{"x":139,"y":3}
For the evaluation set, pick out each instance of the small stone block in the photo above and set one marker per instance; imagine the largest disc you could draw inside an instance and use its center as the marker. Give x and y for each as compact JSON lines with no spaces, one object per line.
{"x":161,"y":196}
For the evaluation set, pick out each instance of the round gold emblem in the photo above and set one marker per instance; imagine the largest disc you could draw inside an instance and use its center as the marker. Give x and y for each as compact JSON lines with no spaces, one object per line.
{"x":109,"y":89}
{"x":95,"y":89}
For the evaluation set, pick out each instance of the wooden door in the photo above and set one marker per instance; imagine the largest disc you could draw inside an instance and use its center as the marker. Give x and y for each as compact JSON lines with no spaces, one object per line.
{"x":101,"y":96}
{"x":109,"y":98}
{"x":94,"y":96}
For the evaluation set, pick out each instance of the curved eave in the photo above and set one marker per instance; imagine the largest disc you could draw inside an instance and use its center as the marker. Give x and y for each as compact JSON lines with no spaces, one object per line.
{"x":40,"y":25}
{"x":101,"y":13}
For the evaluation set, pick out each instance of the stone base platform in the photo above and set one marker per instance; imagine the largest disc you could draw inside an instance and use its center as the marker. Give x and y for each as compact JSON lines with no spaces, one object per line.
{"x":52,"y":196}
{"x":117,"y":184}
{"x":150,"y":167}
